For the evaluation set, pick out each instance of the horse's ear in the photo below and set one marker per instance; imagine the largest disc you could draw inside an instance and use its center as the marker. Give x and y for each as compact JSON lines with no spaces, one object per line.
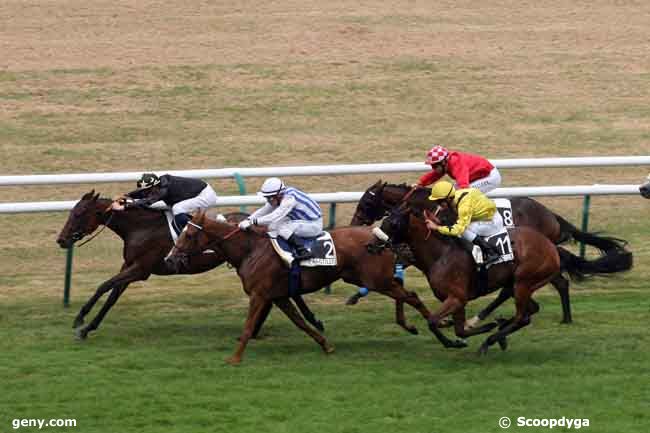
{"x":96,"y":197}
{"x":378,"y":183}
{"x":88,"y":195}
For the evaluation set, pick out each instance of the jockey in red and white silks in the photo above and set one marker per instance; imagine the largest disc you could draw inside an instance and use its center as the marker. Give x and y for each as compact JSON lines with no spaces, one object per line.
{"x":468,"y":170}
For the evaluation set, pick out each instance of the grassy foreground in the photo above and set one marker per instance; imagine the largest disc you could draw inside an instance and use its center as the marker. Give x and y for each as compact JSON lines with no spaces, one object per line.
{"x":157,"y":366}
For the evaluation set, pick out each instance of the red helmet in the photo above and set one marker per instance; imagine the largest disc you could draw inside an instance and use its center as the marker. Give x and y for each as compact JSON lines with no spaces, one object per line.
{"x":436,"y":154}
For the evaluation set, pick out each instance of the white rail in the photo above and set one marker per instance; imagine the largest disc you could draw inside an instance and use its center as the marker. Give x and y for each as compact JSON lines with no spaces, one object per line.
{"x":353,"y":197}
{"x":314,"y":170}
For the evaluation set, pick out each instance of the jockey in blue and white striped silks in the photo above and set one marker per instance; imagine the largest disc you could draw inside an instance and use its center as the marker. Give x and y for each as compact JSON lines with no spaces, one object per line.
{"x":288,"y":211}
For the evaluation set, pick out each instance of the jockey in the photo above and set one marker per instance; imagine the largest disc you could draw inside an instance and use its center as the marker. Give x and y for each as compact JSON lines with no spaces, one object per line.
{"x":288,"y":211}
{"x":468,"y":170}
{"x":477,"y":216}
{"x":183,"y":195}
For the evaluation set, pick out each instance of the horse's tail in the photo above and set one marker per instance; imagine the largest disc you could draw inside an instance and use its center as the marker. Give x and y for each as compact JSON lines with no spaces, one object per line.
{"x":612,"y":261}
{"x":603,"y":243}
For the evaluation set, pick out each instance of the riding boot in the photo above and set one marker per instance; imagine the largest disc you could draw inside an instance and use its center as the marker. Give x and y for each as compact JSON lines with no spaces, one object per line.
{"x":302,"y":253}
{"x":180,"y":221}
{"x":490,"y":252}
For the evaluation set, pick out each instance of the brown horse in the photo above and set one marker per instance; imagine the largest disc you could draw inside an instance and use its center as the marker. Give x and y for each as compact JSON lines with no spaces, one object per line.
{"x":451,"y":273}
{"x":265,"y":277}
{"x":147,"y":241}
{"x":381,"y":197}
{"x":453,"y":276}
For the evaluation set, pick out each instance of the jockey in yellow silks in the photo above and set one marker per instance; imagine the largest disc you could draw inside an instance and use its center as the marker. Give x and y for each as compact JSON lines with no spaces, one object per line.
{"x":477,"y":216}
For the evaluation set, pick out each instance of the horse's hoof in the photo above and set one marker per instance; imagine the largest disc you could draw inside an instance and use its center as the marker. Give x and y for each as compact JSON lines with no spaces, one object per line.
{"x":471,"y":323}
{"x":328,"y":349}
{"x":352,"y":300}
{"x":412,"y":330}
{"x":566,"y":321}
{"x":319,"y":325}
{"x":446,"y":323}
{"x":81,"y":333}
{"x":503,"y":343}
{"x":234,"y":360}
{"x":483,"y":350}
{"x":459,"y":343}
{"x":78,"y":322}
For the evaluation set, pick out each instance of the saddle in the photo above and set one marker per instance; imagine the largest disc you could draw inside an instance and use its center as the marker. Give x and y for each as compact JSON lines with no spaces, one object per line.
{"x":321,"y":247}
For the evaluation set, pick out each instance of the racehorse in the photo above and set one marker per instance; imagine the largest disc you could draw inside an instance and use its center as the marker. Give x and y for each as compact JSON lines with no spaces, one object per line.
{"x":645,"y":188}
{"x":452,"y":275}
{"x":379,"y":198}
{"x":265,"y":277}
{"x":147,"y":241}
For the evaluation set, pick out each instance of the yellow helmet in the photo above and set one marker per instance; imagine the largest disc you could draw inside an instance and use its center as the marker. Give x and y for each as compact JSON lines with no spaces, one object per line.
{"x":441,"y":190}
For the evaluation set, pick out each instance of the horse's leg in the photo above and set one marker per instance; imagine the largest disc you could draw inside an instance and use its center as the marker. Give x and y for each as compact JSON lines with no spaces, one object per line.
{"x":256,"y":305}
{"x":521,"y":318}
{"x":401,"y":295}
{"x":287,"y":307}
{"x":450,"y":305}
{"x":103,"y":288}
{"x":260,"y":321}
{"x":503,"y":296}
{"x":463,"y":331}
{"x":561,"y":284}
{"x":307,"y":313}
{"x":119,"y":284}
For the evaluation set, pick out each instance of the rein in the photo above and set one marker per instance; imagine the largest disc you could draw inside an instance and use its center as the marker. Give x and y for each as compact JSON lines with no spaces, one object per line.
{"x":110,"y":217}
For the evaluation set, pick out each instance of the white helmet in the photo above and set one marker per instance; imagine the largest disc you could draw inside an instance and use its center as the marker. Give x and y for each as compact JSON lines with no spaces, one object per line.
{"x":272,"y":186}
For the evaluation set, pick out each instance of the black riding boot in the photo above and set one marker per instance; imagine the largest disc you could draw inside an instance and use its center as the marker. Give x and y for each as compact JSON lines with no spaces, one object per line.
{"x":302,"y":253}
{"x":180,"y":221}
{"x":490,"y":252}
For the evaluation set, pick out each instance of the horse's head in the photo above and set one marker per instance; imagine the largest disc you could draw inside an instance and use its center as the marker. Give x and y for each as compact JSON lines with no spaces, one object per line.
{"x":84,"y":218}
{"x":645,"y":188}
{"x":195,"y":239}
{"x":395,"y":225}
{"x":371,"y":207}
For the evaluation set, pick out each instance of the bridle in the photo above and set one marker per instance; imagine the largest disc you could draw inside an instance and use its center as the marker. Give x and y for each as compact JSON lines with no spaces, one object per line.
{"x":214,"y":243}
{"x":78,"y":235}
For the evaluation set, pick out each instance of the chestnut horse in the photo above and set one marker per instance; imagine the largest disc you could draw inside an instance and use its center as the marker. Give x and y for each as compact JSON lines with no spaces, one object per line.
{"x":265,"y":277}
{"x":147,"y":241}
{"x":379,"y":198}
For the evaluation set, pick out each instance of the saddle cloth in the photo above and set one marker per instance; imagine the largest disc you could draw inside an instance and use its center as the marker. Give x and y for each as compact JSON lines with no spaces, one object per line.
{"x":321,"y":247}
{"x":504,"y":207}
{"x":501,"y":241}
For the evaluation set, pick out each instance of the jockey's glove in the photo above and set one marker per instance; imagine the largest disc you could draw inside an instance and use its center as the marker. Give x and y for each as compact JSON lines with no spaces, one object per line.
{"x":245,"y":224}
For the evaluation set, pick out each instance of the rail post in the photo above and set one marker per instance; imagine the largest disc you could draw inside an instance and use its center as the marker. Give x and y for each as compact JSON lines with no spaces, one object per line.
{"x":585,"y":221}
{"x":242,"y":187}
{"x":68,"y":276}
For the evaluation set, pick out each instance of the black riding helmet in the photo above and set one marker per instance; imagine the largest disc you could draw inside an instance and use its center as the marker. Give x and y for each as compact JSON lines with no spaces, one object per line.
{"x":147,"y":180}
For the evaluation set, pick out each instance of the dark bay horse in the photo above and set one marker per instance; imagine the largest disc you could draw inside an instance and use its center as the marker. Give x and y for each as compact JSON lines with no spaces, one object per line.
{"x":265,"y":277}
{"x":147,"y":241}
{"x":451,"y":273}
{"x":381,"y":197}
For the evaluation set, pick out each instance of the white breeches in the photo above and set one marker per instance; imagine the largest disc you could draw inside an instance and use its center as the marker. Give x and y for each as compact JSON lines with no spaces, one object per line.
{"x":488,"y":183}
{"x":286,"y":227}
{"x":484,"y":228}
{"x":206,"y":198}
